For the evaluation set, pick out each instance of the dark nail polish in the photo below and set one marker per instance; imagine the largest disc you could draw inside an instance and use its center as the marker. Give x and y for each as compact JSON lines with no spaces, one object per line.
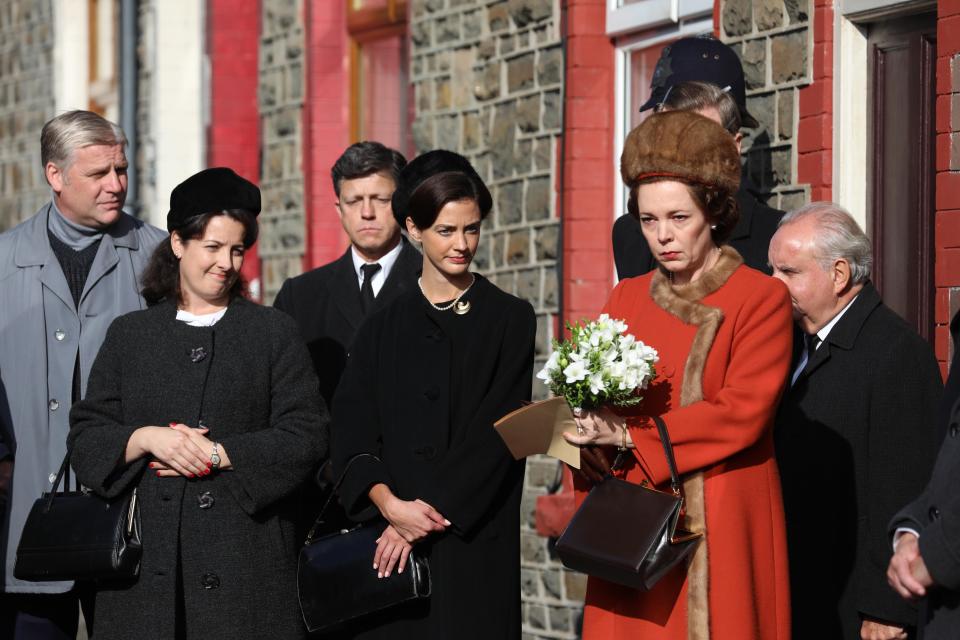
{"x":158,"y":474}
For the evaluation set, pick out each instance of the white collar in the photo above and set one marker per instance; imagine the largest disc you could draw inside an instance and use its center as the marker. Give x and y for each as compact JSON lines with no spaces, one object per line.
{"x":200,"y":320}
{"x":825,"y":330}
{"x":386,"y":262}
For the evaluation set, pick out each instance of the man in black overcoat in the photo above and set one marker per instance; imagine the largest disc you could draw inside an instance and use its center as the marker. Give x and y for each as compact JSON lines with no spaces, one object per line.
{"x":329,"y":303}
{"x":926,"y":533}
{"x":703,"y":59}
{"x":855,"y":432}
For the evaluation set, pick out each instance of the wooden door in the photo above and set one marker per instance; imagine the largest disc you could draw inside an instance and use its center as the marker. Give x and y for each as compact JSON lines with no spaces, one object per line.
{"x":902,"y":94}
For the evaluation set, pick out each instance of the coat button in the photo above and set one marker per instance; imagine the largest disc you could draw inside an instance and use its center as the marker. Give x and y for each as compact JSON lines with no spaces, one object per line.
{"x":59,"y":335}
{"x":934,"y":513}
{"x":954,"y":430}
{"x":431,"y":393}
{"x":52,"y":478}
{"x":205,"y":500}
{"x":210,"y":581}
{"x":198,"y":354}
{"x":201,"y":423}
{"x":54,"y":404}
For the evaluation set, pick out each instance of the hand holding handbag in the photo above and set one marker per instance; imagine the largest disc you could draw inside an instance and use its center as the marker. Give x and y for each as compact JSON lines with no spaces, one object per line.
{"x":627,"y":533}
{"x":77,"y":535}
{"x":335,"y":579}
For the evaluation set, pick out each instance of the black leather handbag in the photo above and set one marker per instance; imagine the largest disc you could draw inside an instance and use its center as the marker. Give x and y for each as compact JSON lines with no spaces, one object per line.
{"x":77,"y":535}
{"x":627,"y":533}
{"x":336,"y":581}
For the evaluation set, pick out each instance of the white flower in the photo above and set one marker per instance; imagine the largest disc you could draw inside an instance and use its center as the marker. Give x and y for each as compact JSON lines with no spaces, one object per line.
{"x":550,"y":367}
{"x":575,"y":371}
{"x":596,"y":383}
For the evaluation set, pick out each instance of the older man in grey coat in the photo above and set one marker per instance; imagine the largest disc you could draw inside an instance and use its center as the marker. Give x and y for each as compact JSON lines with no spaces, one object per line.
{"x":65,"y":274}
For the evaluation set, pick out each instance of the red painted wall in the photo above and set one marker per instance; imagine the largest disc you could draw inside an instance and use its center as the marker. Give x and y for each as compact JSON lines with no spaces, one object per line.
{"x":815,"y":127}
{"x":326,"y":126}
{"x":947,"y":230}
{"x":588,"y":176}
{"x":233,"y":136}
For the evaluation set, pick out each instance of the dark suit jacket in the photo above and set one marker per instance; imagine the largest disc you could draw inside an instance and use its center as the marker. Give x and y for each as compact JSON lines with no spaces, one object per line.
{"x":855,"y":439}
{"x":935,"y":515}
{"x":751,"y":237}
{"x":325,"y":302}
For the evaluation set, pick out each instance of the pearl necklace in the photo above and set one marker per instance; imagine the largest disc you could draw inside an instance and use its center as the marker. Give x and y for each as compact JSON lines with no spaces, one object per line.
{"x":458,"y":307}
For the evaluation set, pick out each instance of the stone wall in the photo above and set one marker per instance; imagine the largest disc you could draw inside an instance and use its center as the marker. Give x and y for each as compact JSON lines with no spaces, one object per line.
{"x":283,"y":221}
{"x":146,"y":160}
{"x":26,"y":102}
{"x":488,"y":83}
{"x":772,"y":38}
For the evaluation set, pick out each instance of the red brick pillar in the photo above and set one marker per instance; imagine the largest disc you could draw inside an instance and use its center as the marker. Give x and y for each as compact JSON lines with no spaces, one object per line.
{"x":815,"y":127}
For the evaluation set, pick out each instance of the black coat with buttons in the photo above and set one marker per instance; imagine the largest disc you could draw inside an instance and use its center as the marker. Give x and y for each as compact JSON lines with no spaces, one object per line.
{"x":219,"y":557}
{"x":855,"y":440}
{"x":422,"y":389}
{"x":935,"y":515}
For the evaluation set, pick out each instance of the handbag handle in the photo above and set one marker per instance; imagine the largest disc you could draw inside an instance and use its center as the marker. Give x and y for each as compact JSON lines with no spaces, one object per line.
{"x":333,"y":492}
{"x":675,"y":485}
{"x":56,"y":483}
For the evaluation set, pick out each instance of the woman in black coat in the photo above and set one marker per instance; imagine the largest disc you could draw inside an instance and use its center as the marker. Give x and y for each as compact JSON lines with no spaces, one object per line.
{"x":425,"y":380}
{"x":206,"y":404}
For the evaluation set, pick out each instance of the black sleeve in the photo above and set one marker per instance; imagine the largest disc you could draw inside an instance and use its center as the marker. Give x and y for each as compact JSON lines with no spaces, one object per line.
{"x":6,"y":424}
{"x":631,"y":253}
{"x":900,"y":450}
{"x":356,"y":425}
{"x":98,"y":436}
{"x":284,"y":299}
{"x":271,"y":463}
{"x":472,"y":474}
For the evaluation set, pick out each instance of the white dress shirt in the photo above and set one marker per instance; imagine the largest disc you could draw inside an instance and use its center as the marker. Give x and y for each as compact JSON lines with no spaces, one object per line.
{"x":386,"y":264}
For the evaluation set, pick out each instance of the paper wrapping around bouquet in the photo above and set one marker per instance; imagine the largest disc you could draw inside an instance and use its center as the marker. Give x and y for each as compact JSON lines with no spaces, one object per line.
{"x":538,"y":428}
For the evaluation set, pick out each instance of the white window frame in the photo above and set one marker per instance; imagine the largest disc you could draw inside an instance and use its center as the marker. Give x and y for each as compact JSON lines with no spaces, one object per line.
{"x":623,"y":18}
{"x":625,"y":46}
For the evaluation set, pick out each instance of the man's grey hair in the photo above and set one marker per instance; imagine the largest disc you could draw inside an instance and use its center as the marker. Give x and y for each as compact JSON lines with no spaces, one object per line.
{"x":74,"y":130}
{"x":839,"y":236}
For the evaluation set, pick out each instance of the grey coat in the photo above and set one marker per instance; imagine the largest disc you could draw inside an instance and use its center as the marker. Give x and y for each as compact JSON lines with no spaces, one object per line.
{"x":40,"y":332}
{"x":228,"y":539}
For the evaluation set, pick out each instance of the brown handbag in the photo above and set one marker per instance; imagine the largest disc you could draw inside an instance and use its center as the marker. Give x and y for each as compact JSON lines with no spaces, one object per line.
{"x":627,"y":533}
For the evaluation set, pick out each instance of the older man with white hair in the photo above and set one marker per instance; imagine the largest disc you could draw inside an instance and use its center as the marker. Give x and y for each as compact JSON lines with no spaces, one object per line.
{"x":65,"y":273}
{"x":855,"y":432}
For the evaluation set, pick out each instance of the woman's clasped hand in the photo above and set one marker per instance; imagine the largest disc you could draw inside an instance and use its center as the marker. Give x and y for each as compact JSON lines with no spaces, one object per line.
{"x":410,"y":521}
{"x":178,"y":450}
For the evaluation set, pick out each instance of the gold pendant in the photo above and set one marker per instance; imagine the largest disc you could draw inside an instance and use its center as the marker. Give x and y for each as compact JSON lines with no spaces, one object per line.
{"x":461,"y":308}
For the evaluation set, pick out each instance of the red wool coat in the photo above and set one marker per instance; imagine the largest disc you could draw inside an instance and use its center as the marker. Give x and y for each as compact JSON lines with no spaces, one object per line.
{"x":724,"y":343}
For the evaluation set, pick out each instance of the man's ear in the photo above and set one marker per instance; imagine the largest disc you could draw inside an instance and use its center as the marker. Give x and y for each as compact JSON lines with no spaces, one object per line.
{"x":412,"y":229}
{"x":738,"y":139}
{"x":336,"y":205}
{"x":841,"y":276}
{"x":55,"y":177}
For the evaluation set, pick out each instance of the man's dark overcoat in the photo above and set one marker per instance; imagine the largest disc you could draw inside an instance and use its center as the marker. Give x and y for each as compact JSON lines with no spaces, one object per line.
{"x":935,"y":515}
{"x":325,"y":302}
{"x":228,"y":538}
{"x":751,"y":238}
{"x":855,"y":440}
{"x":422,"y":390}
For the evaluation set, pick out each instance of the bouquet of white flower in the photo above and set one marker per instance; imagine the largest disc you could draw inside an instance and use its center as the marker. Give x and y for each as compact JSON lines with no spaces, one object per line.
{"x":599,"y":365}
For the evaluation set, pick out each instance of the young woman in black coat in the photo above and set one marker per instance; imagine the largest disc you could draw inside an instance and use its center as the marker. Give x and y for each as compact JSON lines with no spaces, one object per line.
{"x":206,"y":404}
{"x":425,"y":380}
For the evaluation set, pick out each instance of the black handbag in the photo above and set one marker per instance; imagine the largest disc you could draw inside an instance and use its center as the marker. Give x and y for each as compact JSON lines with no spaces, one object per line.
{"x":627,"y":533}
{"x":335,"y":579}
{"x":77,"y":535}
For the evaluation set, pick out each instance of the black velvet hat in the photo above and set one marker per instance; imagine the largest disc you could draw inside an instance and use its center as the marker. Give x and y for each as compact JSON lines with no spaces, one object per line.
{"x":428,"y":165}
{"x":216,"y":189}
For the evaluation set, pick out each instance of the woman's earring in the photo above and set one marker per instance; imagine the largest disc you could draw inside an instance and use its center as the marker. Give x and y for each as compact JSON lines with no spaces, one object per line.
{"x":714,"y":227}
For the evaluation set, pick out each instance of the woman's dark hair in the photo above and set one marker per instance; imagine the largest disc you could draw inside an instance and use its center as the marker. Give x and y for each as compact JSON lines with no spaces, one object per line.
{"x":719,"y":206}
{"x":435,"y":192}
{"x":161,"y":278}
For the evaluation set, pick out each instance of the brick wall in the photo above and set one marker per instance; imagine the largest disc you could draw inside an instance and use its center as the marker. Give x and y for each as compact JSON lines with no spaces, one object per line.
{"x":488,"y":83}
{"x":773,"y":40}
{"x":26,"y":102}
{"x":947,"y":230}
{"x":280,"y":94}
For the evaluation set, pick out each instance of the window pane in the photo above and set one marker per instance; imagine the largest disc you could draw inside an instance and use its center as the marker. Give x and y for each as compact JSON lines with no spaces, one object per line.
{"x":384,"y":104}
{"x":367,"y":4}
{"x":642,"y":64}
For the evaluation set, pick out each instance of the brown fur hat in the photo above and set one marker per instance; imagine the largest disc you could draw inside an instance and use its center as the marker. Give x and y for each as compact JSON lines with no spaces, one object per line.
{"x":683,"y":145}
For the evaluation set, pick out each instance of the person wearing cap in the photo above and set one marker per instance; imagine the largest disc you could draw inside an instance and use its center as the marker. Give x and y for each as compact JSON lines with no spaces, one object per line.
{"x":722,"y":332}
{"x":65,"y":273}
{"x":702,"y":59}
{"x":330,"y":302}
{"x":206,"y":404}
{"x":427,"y":377}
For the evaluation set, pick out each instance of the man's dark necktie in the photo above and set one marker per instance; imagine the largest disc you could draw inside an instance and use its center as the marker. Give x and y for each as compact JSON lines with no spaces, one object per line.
{"x":811,"y":341}
{"x":366,"y":289}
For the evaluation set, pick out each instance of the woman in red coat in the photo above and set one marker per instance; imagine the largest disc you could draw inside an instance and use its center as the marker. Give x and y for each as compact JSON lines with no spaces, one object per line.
{"x":723,"y":332}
